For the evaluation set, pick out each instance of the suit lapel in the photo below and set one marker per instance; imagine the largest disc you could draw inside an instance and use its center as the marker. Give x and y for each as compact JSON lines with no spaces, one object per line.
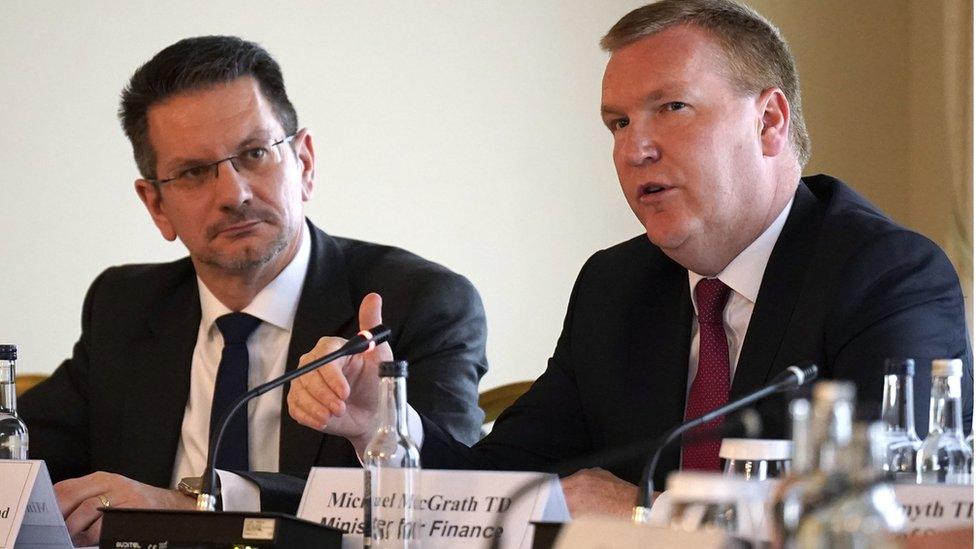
{"x":325,"y":308}
{"x":160,"y":385}
{"x":669,"y":316}
{"x":669,"y":346}
{"x":781,"y":284}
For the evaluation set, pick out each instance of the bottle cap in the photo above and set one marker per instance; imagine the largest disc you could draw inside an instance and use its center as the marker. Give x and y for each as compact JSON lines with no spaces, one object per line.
{"x":703,"y":487}
{"x":8,"y":352}
{"x":394,"y":368}
{"x":755,"y":449}
{"x":834,"y":390}
{"x":899,"y":367}
{"x":945,"y":367}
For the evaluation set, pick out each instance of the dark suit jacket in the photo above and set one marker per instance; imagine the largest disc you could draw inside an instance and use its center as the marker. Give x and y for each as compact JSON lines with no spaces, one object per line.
{"x":117,"y":405}
{"x":844,"y":287}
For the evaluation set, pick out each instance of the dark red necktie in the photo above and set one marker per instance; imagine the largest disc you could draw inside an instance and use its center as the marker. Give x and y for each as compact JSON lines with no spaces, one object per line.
{"x":710,"y":389}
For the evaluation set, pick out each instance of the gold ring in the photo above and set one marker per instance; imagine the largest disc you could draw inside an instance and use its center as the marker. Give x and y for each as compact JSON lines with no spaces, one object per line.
{"x":104,"y":499}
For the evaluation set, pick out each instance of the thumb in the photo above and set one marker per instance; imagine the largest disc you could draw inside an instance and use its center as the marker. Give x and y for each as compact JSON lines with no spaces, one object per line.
{"x":371,"y":311}
{"x":371,"y":315}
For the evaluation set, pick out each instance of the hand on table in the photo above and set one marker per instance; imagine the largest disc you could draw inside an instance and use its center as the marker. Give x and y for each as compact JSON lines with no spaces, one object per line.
{"x":598,"y":492}
{"x":340,"y":398}
{"x":80,"y":498}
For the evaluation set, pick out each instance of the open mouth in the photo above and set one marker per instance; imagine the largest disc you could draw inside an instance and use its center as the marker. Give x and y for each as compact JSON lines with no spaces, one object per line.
{"x":648,"y":189}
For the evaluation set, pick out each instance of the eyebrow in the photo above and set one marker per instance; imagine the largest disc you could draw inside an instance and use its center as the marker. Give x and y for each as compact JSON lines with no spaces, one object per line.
{"x":655,"y":95}
{"x":605,"y":110}
{"x":260,"y":135}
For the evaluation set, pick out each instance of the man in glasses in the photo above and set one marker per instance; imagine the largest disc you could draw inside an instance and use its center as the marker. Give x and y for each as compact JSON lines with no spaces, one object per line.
{"x":165,"y":348}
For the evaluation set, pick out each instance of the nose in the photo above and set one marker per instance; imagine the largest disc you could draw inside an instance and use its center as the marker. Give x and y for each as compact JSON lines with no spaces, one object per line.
{"x":636,"y":145}
{"x":230,"y":187}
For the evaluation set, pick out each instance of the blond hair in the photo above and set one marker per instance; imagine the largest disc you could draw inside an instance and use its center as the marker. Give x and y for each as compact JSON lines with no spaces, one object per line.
{"x":758,"y":57}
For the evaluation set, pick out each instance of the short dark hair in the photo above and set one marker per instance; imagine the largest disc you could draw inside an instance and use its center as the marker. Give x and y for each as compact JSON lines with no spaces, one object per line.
{"x":758,"y":56}
{"x":195,"y":64}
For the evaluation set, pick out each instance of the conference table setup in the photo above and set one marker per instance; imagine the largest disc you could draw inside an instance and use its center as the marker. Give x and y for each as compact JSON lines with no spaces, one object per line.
{"x":244,"y":315}
{"x":838,"y":482}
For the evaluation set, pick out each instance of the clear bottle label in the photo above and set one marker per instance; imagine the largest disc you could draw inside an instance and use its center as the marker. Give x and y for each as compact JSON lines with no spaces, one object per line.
{"x":392,"y":518}
{"x":13,"y":437}
{"x":13,"y":448}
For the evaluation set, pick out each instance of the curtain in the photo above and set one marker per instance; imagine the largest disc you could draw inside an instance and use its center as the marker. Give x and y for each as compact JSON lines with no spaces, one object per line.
{"x":957,"y":42}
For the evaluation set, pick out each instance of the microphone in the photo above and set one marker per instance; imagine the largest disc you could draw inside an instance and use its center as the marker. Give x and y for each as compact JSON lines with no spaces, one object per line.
{"x":745,"y":424}
{"x":789,"y":379}
{"x":364,"y":341}
{"x":123,"y":527}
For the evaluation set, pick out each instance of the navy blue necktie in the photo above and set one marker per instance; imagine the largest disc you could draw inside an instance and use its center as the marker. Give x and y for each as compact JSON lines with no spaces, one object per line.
{"x":231,"y":384}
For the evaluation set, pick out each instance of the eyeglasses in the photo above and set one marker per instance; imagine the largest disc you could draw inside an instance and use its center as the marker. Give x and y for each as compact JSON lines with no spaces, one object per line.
{"x":252,"y":161}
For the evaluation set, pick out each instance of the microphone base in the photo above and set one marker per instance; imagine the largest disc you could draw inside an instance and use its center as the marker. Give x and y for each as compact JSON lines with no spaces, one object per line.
{"x":641,"y":514}
{"x":198,"y":529}
{"x":206,"y":502}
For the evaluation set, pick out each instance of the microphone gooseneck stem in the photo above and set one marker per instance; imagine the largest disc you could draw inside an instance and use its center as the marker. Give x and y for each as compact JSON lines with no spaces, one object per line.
{"x":364,"y":341}
{"x":792,"y":377}
{"x":747,"y":424}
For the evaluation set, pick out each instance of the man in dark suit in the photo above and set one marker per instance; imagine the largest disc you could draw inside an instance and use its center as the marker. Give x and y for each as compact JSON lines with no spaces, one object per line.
{"x":745,"y":268}
{"x":226,"y":169}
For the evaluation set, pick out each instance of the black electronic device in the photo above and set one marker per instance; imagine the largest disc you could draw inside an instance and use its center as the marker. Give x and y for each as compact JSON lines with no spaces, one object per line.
{"x":165,"y":529}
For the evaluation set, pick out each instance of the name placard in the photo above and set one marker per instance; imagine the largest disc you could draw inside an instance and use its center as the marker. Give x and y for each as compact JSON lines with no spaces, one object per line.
{"x":29,"y":514}
{"x":928,"y":508}
{"x":449,"y":508}
{"x":603,"y":532}
{"x":931,"y":508}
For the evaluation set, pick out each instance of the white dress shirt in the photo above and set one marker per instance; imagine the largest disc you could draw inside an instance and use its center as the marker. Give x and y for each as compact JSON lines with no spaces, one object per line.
{"x":743,"y":275}
{"x":267,"y":348}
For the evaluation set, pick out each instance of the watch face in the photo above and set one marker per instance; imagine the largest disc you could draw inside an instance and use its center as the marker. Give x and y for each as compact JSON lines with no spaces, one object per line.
{"x":191,"y":485}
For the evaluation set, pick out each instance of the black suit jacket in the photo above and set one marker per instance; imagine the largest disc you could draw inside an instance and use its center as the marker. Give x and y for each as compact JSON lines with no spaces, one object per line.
{"x":844,"y":287}
{"x":117,"y":405}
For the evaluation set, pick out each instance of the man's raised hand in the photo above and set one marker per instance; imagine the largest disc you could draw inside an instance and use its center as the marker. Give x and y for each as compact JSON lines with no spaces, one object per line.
{"x":341,"y":397}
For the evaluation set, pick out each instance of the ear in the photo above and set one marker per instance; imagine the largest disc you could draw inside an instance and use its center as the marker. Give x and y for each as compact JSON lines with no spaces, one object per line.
{"x":150,"y":196}
{"x":774,"y":130}
{"x":305,"y":152}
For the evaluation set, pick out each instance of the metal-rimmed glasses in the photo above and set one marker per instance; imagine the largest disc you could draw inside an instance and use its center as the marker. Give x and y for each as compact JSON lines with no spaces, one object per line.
{"x":252,"y":160}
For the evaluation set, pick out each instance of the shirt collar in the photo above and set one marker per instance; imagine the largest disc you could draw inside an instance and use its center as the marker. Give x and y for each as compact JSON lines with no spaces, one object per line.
{"x":276,"y":303}
{"x":744,"y":273}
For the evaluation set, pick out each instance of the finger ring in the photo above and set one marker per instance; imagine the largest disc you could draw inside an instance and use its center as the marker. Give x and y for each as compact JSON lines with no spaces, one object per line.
{"x":104,"y":499}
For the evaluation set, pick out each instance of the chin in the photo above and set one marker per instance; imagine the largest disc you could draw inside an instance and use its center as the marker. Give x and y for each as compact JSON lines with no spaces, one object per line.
{"x":239,"y":263}
{"x":248,"y":258}
{"x":666,"y":239}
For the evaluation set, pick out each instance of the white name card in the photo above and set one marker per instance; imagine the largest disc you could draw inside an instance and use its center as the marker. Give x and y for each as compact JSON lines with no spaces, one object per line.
{"x":605,"y":532}
{"x":29,"y":514}
{"x":931,"y":508}
{"x":450,"y":508}
{"x":928,"y":508}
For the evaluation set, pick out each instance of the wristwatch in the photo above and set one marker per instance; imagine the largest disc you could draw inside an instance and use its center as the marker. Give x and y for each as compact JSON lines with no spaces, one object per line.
{"x":193,"y":486}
